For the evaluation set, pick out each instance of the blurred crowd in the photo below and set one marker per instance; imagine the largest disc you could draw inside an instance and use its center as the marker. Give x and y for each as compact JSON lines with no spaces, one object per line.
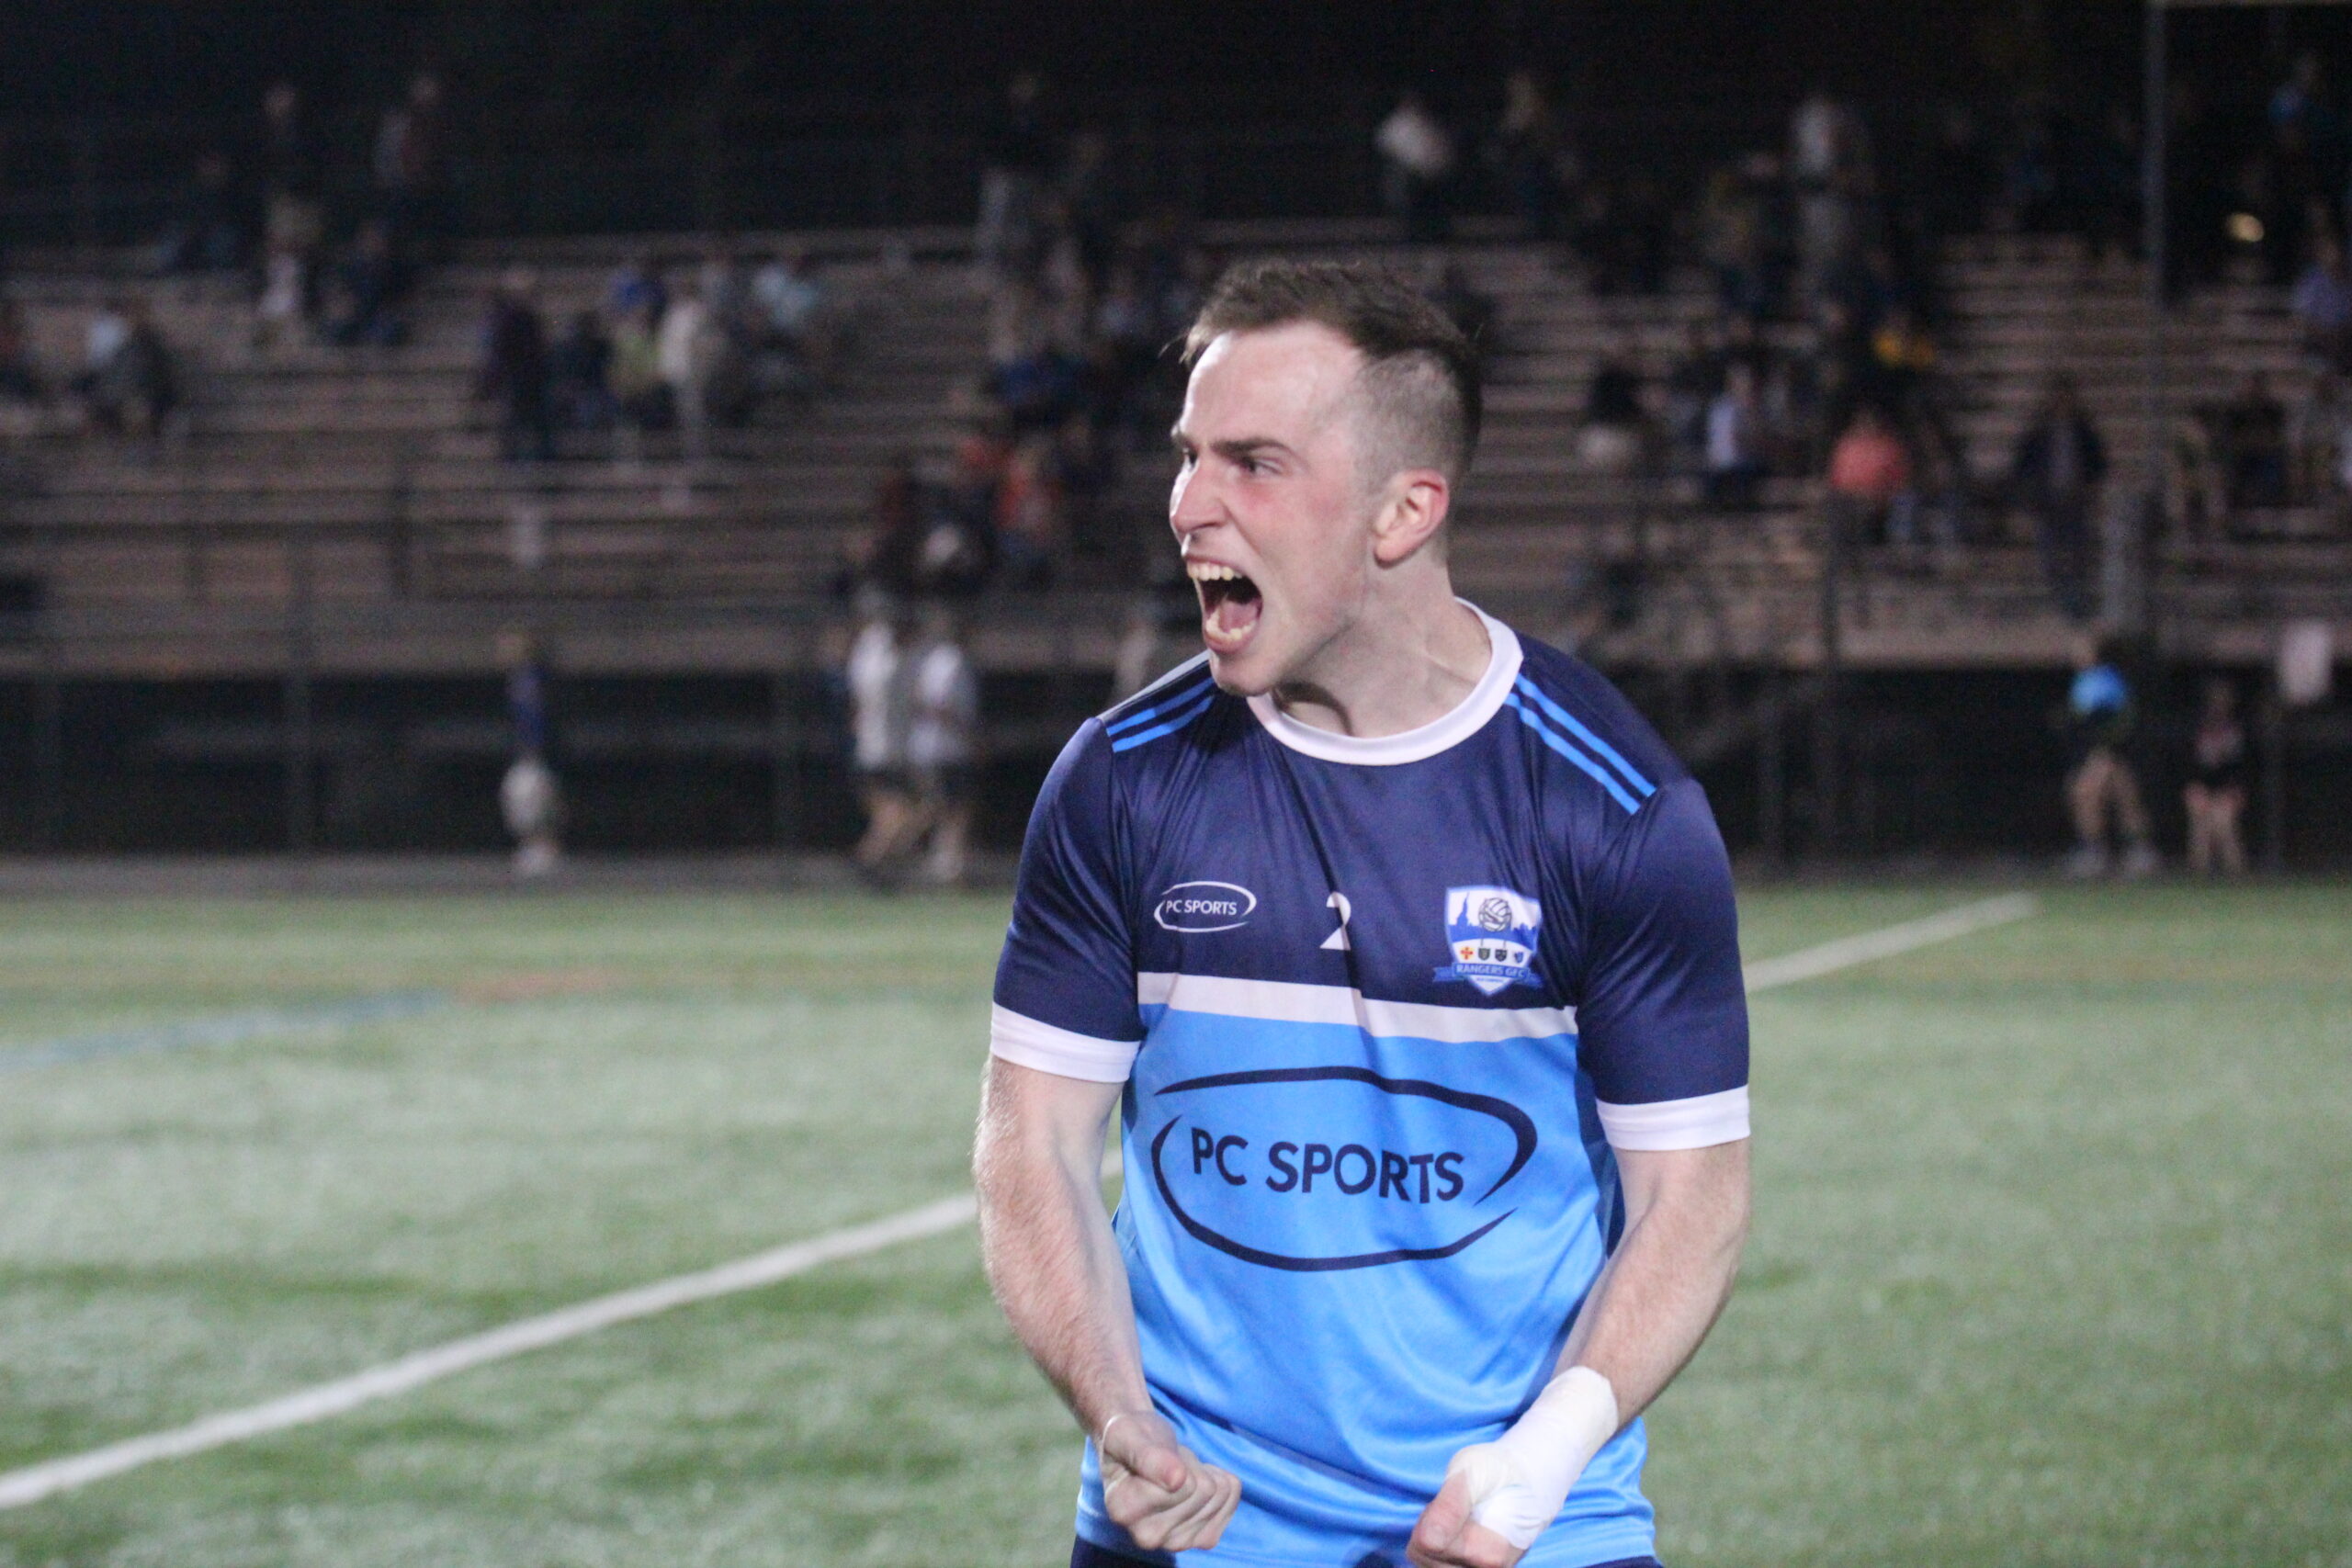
{"x":684,"y":351}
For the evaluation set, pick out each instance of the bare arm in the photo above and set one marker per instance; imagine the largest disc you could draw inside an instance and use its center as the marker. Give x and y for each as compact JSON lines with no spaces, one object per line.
{"x":1686,"y":1220}
{"x":1056,"y":1268}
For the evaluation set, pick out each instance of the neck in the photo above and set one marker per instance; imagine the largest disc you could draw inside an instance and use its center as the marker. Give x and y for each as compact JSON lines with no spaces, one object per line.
{"x":1410,"y":659}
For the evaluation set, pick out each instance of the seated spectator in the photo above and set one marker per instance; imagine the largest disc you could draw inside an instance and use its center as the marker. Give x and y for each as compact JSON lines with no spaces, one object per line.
{"x":637,"y":286}
{"x":1612,"y":438}
{"x":792,"y":349}
{"x":1869,"y":468}
{"x":1030,"y":521}
{"x":1039,"y":388}
{"x":2255,"y":424}
{"x":889,"y":559}
{"x":208,"y":235}
{"x":20,"y":378}
{"x":686,"y":352}
{"x":1735,"y":451}
{"x":2322,"y":304}
{"x":579,"y":371}
{"x":2056,"y":469}
{"x":514,"y":370}
{"x":1691,"y":383}
{"x":640,"y":395}
{"x":367,"y":292}
{"x":130,"y":381}
{"x":1416,"y":168}
{"x":1532,"y":154}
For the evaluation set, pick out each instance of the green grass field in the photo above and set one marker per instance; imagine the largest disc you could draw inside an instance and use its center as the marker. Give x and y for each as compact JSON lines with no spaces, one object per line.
{"x":2052,"y":1262}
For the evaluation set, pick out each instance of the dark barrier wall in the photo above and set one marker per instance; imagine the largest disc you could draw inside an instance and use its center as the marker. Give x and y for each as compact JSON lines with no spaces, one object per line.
{"x":1963,"y":764}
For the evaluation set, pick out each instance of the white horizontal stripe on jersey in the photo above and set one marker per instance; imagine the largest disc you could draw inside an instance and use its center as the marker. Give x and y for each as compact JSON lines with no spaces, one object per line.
{"x":1061,"y":1051}
{"x":1285,"y":1001}
{"x":1701,"y":1121}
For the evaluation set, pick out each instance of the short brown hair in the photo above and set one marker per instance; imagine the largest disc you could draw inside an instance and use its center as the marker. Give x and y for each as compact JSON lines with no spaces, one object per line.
{"x":1421,"y":374}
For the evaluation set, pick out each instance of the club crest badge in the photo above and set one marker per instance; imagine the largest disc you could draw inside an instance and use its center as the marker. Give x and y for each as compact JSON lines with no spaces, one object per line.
{"x":1492,"y":933}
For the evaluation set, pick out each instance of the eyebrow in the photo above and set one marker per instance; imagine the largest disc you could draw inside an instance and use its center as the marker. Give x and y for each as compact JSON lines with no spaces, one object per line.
{"x":1236,"y":447}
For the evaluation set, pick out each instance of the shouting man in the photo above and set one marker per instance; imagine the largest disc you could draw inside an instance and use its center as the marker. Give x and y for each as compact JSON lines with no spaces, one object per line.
{"x":1406,"y":953}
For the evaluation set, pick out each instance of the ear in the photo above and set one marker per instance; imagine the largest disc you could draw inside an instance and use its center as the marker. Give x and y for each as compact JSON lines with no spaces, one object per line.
{"x":1411,"y":514}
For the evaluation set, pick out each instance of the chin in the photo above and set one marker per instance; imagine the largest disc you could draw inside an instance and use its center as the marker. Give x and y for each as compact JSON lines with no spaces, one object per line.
{"x":1243,"y":672}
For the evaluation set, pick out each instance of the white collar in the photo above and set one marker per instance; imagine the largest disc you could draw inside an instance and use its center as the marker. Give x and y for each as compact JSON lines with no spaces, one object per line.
{"x":1466,"y":719}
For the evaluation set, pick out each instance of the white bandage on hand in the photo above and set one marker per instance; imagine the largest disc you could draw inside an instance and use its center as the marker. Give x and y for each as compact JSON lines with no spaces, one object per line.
{"x":1519,"y":1481}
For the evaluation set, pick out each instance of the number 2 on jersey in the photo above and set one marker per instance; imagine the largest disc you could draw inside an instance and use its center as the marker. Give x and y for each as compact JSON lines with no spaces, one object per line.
{"x":1338,"y":941}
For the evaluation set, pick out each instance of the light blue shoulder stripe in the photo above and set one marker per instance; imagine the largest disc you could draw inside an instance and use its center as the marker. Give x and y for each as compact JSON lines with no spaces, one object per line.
{"x":1157,"y":710}
{"x":1568,"y":721}
{"x":1174,"y":722}
{"x":1599,"y":775}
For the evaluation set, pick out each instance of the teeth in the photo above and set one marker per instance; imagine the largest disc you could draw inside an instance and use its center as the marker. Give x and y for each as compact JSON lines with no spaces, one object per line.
{"x":1209,"y":571}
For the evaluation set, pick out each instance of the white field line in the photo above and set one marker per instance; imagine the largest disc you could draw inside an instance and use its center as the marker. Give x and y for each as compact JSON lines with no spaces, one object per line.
{"x":322,"y":1401}
{"x":1766,"y":974}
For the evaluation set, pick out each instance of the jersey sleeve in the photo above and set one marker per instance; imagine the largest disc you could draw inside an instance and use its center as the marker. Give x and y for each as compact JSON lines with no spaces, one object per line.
{"x":1066,"y":983}
{"x":1662,"y":1023}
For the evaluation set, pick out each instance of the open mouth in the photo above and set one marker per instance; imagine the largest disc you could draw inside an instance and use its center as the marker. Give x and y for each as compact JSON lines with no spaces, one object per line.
{"x":1230,"y":606}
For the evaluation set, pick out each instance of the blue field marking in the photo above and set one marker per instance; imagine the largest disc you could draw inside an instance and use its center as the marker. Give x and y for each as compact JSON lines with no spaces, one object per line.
{"x":224,"y":1029}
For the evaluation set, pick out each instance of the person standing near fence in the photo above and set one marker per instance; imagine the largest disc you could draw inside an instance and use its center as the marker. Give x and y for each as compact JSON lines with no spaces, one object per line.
{"x":2215,"y":794}
{"x":876,"y":676}
{"x":2101,"y":784}
{"x":943,"y":726}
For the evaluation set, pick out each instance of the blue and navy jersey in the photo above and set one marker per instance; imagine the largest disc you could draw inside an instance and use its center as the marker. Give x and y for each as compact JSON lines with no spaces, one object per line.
{"x":1382,"y":1009}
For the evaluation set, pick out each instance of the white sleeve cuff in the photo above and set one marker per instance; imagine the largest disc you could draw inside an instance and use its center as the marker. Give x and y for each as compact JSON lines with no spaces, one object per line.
{"x":1029,"y":1043}
{"x":1701,"y":1121}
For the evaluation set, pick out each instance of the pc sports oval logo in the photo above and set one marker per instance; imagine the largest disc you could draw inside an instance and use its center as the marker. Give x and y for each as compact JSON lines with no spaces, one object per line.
{"x":1203,"y":907}
{"x":1313,"y":1169}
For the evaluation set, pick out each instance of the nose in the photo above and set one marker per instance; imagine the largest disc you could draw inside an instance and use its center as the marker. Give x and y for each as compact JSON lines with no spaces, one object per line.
{"x":1191,"y":502}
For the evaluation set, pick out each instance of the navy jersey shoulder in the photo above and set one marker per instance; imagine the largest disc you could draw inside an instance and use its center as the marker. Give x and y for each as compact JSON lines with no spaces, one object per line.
{"x":1586,"y":721}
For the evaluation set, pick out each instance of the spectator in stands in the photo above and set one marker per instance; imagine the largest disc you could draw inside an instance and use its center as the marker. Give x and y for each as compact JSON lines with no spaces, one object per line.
{"x":2215,"y":794}
{"x":294,"y":213}
{"x":686,"y":352}
{"x":1029,"y":517}
{"x":2255,"y":439}
{"x":2322,"y":304}
{"x":1870,"y":468}
{"x":1020,"y":159}
{"x":2100,"y":783}
{"x":208,"y":235}
{"x":579,"y":376}
{"x":1533,"y":155}
{"x":640,"y":395}
{"x":888,"y":559}
{"x":877,"y":674}
{"x":1739,"y":235}
{"x":367,"y":291}
{"x":1691,"y":383}
{"x":942,"y":742}
{"x":1416,"y":168}
{"x":1830,"y":169}
{"x":129,"y":382}
{"x":1614,"y":438}
{"x":637,"y":287}
{"x":514,"y":368}
{"x":2057,"y":467}
{"x":1736,"y":435}
{"x":2302,"y":177}
{"x":411,"y":168}
{"x":792,"y":344}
